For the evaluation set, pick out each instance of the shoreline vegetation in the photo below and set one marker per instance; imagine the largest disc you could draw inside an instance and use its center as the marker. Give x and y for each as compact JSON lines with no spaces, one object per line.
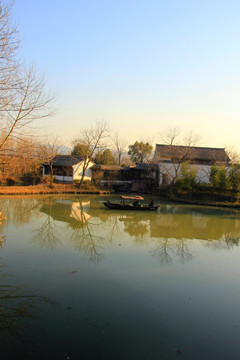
{"x":45,"y":189}
{"x":235,"y":204}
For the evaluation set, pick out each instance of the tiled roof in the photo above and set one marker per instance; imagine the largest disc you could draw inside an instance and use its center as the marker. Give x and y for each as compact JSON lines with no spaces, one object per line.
{"x":106,"y":167}
{"x":65,"y":160}
{"x":168,"y":152}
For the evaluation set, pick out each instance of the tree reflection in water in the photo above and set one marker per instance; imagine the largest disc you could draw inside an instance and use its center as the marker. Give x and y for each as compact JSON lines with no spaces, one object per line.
{"x":84,"y":237}
{"x":168,"y":234}
{"x":20,"y":210}
{"x":178,"y":247}
{"x":46,"y":236}
{"x":227,"y":241}
{"x":135,"y":227}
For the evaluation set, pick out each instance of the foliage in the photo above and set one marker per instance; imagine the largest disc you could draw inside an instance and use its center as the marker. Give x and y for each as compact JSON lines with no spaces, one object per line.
{"x":31,"y":178}
{"x":81,"y":150}
{"x":223,"y":179}
{"x":187,"y":178}
{"x":234,"y":177}
{"x":104,"y":157}
{"x":140,"y":151}
{"x":219,"y":178}
{"x":214,"y":176}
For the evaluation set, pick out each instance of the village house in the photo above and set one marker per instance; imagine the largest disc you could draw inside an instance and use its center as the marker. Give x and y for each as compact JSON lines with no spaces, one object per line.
{"x":135,"y":178}
{"x":170,"y":157}
{"x":68,"y":168}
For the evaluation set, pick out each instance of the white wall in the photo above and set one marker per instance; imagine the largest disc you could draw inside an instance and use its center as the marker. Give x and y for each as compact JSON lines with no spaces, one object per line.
{"x":203,"y":172}
{"x":78,"y":170}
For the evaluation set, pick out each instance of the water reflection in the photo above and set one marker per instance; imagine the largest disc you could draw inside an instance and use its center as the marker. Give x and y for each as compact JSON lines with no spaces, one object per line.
{"x":189,"y":311}
{"x":164,"y":249}
{"x":3,"y":239}
{"x":85,"y":238}
{"x":165,"y":232}
{"x":86,"y":225}
{"x":181,"y":222}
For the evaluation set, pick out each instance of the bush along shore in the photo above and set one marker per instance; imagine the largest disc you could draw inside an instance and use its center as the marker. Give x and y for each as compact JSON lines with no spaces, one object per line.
{"x":203,"y":194}
{"x":235,"y":204}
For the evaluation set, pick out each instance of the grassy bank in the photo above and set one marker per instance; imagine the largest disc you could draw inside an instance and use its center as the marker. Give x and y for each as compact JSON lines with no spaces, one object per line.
{"x":205,"y":202}
{"x":203,"y":195}
{"x":45,"y":189}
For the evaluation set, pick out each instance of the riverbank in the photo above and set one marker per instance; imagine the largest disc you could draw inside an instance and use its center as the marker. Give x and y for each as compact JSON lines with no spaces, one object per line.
{"x":90,"y":189}
{"x":228,"y":204}
{"x":45,"y":189}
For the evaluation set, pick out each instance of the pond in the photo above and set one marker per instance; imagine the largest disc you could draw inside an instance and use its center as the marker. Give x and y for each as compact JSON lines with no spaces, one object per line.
{"x":80,"y":281}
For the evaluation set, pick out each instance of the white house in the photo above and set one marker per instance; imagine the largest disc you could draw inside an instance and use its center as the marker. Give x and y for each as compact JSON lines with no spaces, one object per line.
{"x":170,"y":157}
{"x":67,"y":168}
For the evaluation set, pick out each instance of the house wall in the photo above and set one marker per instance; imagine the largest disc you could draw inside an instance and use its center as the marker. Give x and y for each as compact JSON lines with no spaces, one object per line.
{"x":78,"y":171}
{"x":167,"y":169}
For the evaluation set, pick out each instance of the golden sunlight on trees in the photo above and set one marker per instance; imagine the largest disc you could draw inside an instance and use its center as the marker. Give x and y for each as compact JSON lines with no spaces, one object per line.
{"x":20,"y":161}
{"x":23,"y":97}
{"x":49,"y":150}
{"x":92,"y":139}
{"x":140,"y":152}
{"x":104,"y":157}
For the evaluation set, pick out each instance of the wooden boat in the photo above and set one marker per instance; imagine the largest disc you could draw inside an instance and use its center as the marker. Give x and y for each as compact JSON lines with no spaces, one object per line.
{"x":135,"y":206}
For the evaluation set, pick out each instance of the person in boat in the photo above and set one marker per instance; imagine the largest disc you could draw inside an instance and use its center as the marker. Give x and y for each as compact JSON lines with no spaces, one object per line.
{"x":136,"y":202}
{"x":151,"y":204}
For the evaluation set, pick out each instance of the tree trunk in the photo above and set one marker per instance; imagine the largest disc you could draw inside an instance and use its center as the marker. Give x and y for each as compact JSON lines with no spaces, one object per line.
{"x":85,"y":165}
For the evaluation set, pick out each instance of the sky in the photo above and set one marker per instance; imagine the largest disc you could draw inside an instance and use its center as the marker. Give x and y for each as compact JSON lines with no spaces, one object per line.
{"x":142,"y":66}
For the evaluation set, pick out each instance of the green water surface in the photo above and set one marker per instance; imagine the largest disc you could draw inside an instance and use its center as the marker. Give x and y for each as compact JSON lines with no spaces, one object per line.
{"x":80,"y":281}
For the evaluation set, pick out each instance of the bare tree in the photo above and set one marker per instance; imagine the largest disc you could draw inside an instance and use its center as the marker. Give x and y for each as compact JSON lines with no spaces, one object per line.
{"x":23,"y":97}
{"x":233,"y":154}
{"x":29,"y":102}
{"x":49,"y":150}
{"x":19,"y":159}
{"x":92,"y":138}
{"x":9,"y":44}
{"x":178,"y":154}
{"x":120,"y":147}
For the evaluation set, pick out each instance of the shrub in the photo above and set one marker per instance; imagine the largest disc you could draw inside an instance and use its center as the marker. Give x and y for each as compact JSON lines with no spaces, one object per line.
{"x":187,"y":178}
{"x":214,"y":176}
{"x":222,"y":179}
{"x":234,"y":177}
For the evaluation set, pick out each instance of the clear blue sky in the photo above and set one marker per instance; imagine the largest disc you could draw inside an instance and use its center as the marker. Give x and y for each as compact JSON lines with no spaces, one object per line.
{"x":143,"y":66}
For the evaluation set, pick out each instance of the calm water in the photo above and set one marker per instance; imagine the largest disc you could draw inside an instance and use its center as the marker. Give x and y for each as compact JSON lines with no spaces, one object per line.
{"x":80,"y":281}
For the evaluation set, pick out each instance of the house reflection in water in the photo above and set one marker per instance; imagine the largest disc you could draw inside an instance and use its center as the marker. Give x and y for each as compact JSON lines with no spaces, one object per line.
{"x":78,"y":211}
{"x":65,"y":210}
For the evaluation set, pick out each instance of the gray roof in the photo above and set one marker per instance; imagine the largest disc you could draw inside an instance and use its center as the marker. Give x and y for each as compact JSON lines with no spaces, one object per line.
{"x":106,"y":167}
{"x":65,"y":160}
{"x":185,"y":153}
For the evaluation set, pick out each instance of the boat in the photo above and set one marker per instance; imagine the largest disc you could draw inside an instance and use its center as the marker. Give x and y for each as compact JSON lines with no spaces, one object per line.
{"x":136,"y":204}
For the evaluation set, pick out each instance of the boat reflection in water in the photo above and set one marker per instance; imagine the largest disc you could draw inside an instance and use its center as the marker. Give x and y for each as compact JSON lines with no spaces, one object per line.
{"x":135,"y":205}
